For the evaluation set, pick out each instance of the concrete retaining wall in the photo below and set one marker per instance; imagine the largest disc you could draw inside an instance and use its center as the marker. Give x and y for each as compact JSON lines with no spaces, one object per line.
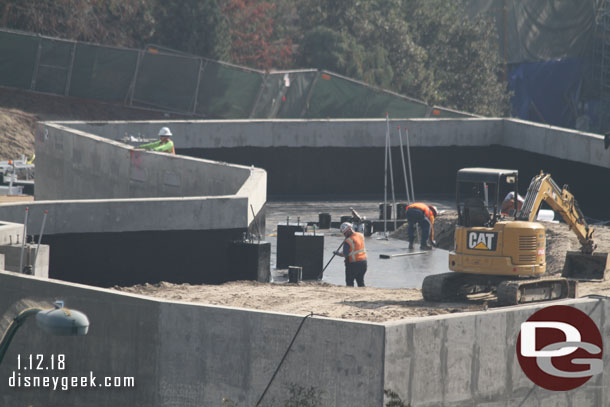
{"x":190,"y":355}
{"x":287,"y":149}
{"x":194,"y":355}
{"x":178,"y":234}
{"x":470,"y":360}
{"x":75,"y":165}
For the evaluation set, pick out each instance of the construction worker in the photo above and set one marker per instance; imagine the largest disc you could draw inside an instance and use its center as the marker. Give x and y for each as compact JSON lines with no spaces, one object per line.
{"x":423,"y":215}
{"x":164,"y":145}
{"x":355,"y":255}
{"x":508,"y":205}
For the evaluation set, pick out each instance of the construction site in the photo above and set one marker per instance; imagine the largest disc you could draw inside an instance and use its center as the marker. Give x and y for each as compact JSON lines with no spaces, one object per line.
{"x":210,"y":276}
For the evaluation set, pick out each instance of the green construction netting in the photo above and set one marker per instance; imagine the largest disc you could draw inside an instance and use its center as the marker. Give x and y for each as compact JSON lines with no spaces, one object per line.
{"x":267,"y":103}
{"x":17,"y":59}
{"x":336,"y":97}
{"x":53,"y":66}
{"x":166,"y":82}
{"x":294,"y":102}
{"x":189,"y":84}
{"x":102,"y":73}
{"x":227,"y":92}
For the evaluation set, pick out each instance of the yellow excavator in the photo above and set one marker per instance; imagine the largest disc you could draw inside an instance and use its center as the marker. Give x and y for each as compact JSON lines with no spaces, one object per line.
{"x":505,"y":252}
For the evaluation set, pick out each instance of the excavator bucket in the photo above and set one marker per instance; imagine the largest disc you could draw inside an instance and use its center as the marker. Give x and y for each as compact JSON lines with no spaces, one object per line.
{"x":586,"y":267}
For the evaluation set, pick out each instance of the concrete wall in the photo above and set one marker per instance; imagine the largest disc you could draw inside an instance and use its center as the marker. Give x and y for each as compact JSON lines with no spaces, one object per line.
{"x":194,"y":355}
{"x":470,"y":360}
{"x":215,"y":134}
{"x":190,"y":355}
{"x":75,"y":165}
{"x":155,"y":212}
{"x":286,"y":149}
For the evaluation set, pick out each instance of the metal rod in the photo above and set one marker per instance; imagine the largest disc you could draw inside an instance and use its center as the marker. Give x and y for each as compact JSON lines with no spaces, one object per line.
{"x":409,"y":164}
{"x":44,"y":220}
{"x":392,"y":180}
{"x":385,"y":177}
{"x":25,"y":230}
{"x":258,"y":232}
{"x":404,"y":169}
{"x":331,"y":259}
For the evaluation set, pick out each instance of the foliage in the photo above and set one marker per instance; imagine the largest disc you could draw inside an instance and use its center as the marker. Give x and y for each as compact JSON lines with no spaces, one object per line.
{"x":194,"y":26}
{"x":112,"y":22}
{"x":394,"y":399}
{"x":428,"y":49}
{"x":251,"y":30}
{"x":303,"y":396}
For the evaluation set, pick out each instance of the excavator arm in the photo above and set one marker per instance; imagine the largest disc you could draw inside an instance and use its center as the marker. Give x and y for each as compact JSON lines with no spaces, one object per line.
{"x":542,"y":188}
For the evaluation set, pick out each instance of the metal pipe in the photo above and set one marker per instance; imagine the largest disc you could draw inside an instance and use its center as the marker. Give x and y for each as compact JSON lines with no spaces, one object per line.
{"x":392,"y":181}
{"x":409,"y":163}
{"x":44,"y":220}
{"x":404,"y":169}
{"x":25,"y":230}
{"x":385,"y":177}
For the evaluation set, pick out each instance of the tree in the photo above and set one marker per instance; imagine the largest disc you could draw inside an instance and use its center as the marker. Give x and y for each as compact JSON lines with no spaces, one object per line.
{"x":251,"y":30}
{"x":427,"y":49}
{"x":112,"y":22}
{"x":194,"y":26}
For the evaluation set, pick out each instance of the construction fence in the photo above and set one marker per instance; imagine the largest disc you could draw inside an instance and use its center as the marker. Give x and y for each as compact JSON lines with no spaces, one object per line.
{"x":164,"y":80}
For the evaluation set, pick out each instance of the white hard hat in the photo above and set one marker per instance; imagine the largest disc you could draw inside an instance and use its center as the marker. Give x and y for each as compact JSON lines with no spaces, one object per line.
{"x":433,"y":209}
{"x":165,"y":132}
{"x":345,"y":226}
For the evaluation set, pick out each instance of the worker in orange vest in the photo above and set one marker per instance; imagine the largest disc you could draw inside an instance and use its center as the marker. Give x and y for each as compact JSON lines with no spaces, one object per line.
{"x":423,"y":215}
{"x":355,"y":255}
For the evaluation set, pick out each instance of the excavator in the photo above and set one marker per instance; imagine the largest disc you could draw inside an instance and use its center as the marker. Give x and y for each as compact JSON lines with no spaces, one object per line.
{"x":504,"y":251}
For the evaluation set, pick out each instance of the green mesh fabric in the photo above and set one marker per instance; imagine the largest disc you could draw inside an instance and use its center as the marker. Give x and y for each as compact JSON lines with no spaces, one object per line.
{"x":166,"y":82}
{"x":17,"y":59}
{"x":102,"y":73}
{"x":227,"y":92}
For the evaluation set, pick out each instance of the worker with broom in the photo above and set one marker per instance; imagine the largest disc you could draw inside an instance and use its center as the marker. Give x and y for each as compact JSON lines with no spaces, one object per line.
{"x":355,"y":255}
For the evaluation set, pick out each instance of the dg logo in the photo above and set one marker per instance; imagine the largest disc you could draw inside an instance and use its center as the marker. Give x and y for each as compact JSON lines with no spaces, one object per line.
{"x":560,"y":348}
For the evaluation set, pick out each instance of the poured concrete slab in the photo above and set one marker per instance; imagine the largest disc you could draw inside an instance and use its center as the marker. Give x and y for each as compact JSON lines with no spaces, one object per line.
{"x":397,"y":272}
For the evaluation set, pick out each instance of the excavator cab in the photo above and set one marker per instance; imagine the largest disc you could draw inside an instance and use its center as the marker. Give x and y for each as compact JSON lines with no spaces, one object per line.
{"x":480,"y":193}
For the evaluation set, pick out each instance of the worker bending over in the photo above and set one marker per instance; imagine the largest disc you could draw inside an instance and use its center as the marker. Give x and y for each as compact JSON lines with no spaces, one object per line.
{"x":423,"y":215}
{"x":355,"y":255}
{"x":164,"y":145}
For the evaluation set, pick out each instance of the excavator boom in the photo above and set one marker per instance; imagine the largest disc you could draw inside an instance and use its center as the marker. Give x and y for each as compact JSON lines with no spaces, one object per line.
{"x":580,"y":265}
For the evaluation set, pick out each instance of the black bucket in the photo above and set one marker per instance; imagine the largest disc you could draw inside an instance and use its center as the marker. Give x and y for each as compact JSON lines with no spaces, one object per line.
{"x":346,"y":219}
{"x":324,"y":220}
{"x":295,"y":274}
{"x":388,"y":211}
{"x":401,"y":210}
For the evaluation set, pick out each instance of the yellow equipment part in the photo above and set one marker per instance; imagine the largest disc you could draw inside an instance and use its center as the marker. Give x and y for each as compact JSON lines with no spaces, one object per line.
{"x":509,"y":248}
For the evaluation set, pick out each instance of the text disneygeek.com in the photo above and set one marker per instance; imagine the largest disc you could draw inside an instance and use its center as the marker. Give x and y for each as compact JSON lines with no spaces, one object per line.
{"x":27,"y":366}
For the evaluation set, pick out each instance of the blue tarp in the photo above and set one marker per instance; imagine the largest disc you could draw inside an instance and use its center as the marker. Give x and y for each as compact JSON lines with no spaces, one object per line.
{"x":547,"y":92}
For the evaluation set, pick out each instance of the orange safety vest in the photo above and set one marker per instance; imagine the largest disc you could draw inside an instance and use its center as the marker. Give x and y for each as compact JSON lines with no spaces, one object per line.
{"x":356,"y":247}
{"x":424,"y":208}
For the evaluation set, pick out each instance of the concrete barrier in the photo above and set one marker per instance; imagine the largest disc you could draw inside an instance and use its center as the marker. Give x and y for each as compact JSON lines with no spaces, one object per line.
{"x":195,"y":355}
{"x":190,"y":355}
{"x":128,"y":216}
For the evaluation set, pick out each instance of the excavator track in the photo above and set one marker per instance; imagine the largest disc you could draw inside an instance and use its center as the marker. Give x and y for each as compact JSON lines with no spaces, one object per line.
{"x":528,"y":291}
{"x":456,"y":286}
{"x":442,"y":287}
